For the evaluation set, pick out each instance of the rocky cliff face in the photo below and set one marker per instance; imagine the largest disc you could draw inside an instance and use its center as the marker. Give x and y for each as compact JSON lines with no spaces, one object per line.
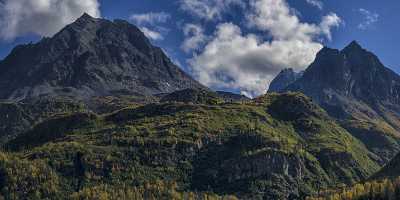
{"x":353,"y":86}
{"x":90,"y":57}
{"x":353,"y":73}
{"x":284,"y":79}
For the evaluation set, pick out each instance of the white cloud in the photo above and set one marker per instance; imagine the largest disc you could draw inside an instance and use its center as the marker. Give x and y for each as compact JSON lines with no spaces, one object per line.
{"x":41,"y":17}
{"x":276,"y":17}
{"x":329,"y":21}
{"x":234,"y":60}
{"x":370,"y":18}
{"x":241,"y":61}
{"x":150,"y":18}
{"x":194,"y":37}
{"x":154,"y":35}
{"x":209,"y":9}
{"x":150,"y":24}
{"x":316,"y":3}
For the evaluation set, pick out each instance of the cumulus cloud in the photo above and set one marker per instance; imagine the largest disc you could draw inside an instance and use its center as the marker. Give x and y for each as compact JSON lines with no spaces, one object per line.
{"x":209,"y":9}
{"x":276,"y":17}
{"x":329,"y":21}
{"x":241,"y":61}
{"x":150,"y":18}
{"x":244,"y":62}
{"x":316,"y":3}
{"x":41,"y":17}
{"x":370,"y":18}
{"x":154,"y":35}
{"x":150,"y":24}
{"x":194,"y":37}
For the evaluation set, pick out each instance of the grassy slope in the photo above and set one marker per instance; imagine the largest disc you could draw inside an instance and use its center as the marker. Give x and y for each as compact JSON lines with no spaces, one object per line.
{"x":19,"y":117}
{"x":274,"y":146}
{"x":375,"y":126}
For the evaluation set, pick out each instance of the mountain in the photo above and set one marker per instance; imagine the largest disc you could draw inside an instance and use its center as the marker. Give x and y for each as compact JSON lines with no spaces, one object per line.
{"x":88,"y":58}
{"x":353,"y":86}
{"x":92,"y":64}
{"x":278,"y":146}
{"x":98,"y":112}
{"x":284,"y":79}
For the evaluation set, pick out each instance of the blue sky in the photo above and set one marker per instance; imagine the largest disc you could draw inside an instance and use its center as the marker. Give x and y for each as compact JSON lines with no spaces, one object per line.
{"x":236,"y":45}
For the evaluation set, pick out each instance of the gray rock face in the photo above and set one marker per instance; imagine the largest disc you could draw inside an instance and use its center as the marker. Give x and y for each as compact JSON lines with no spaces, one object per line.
{"x":352,"y":72}
{"x":353,"y":86}
{"x":284,"y":79}
{"x":337,"y":78}
{"x":90,"y":57}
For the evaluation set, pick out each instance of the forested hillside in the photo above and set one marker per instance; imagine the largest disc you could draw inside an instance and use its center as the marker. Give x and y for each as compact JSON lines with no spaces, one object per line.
{"x":274,"y":147}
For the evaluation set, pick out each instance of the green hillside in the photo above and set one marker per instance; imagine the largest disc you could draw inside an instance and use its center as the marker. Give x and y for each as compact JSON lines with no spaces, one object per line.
{"x":276,"y":146}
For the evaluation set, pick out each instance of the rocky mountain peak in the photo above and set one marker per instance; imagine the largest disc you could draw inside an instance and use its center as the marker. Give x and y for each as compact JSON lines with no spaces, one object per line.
{"x":354,"y":45}
{"x":86,"y":16}
{"x":87,"y":29}
{"x":283,"y":79}
{"x":91,"y":57}
{"x":352,"y":84}
{"x":83,"y":22}
{"x":352,"y":73}
{"x":356,"y":53}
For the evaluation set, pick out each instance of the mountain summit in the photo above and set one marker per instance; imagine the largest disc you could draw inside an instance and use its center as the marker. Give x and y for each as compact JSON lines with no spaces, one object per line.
{"x":283,"y":79}
{"x":353,"y":86}
{"x":352,"y":73}
{"x":90,"y":57}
